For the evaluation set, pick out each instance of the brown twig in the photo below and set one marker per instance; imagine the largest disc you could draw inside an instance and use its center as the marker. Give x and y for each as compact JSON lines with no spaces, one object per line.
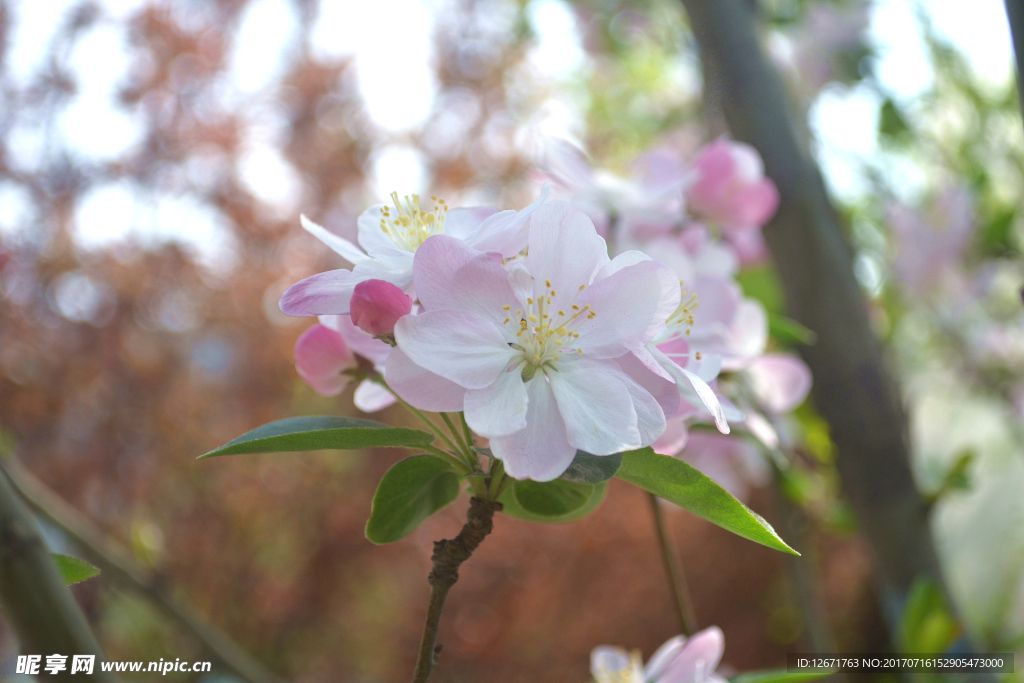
{"x":447,"y":557}
{"x":674,"y":571}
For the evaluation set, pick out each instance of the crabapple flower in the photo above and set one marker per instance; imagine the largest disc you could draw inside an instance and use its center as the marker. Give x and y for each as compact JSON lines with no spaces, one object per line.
{"x":377,"y":305}
{"x":388,"y":239}
{"x":321,"y":356}
{"x":732,"y":189}
{"x":680,"y":660}
{"x":533,"y":346}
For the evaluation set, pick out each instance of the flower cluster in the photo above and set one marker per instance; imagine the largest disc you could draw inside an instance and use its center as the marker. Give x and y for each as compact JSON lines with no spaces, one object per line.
{"x":547,"y":340}
{"x":702,"y":218}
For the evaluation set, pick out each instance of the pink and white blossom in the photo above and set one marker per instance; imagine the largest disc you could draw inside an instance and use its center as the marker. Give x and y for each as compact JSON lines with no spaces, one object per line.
{"x":679,"y":660}
{"x":534,"y":345}
{"x":388,"y":239}
{"x":732,"y":189}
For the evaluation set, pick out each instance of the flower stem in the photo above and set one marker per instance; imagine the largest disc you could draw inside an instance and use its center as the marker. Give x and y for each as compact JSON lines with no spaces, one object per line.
{"x":459,"y":466}
{"x":674,"y":571}
{"x":435,"y":430}
{"x":467,"y":432}
{"x":448,"y":556}
{"x":457,"y":435}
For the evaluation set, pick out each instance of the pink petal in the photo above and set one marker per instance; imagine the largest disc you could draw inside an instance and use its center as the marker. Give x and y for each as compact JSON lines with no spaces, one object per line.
{"x":659,"y":385}
{"x":631,"y":306}
{"x":717,"y":169}
{"x":322,"y":294}
{"x":460,"y":345}
{"x":320,"y":357}
{"x":596,"y":406}
{"x":751,"y":206}
{"x":421,"y":388}
{"x":449,"y":275}
{"x":360,"y":342}
{"x":662,"y":657}
{"x":541,"y":451}
{"x":673,"y":440}
{"x":377,"y":305}
{"x":780,"y":382}
{"x":698,"y":658}
{"x":498,"y":409}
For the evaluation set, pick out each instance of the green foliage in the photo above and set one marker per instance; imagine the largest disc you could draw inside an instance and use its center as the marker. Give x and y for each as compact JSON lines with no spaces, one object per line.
{"x":762,"y":283}
{"x":788,"y":331}
{"x":957,"y":477}
{"x":780,"y":676}
{"x":892,"y":126}
{"x":592,"y":469}
{"x":316,"y":433}
{"x":408,"y":493}
{"x":72,"y":569}
{"x":927,"y":625}
{"x":996,"y":235}
{"x":678,"y":482}
{"x":552,"y":502}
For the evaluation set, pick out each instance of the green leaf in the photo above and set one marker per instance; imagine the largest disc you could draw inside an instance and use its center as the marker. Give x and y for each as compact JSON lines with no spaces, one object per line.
{"x":927,"y":625}
{"x":957,"y":478}
{"x":408,"y":493}
{"x":891,"y":123}
{"x":72,"y":569}
{"x":675,"y":481}
{"x":780,"y":676}
{"x":592,"y":469}
{"x":789,"y":331}
{"x":552,"y":502}
{"x":317,"y":433}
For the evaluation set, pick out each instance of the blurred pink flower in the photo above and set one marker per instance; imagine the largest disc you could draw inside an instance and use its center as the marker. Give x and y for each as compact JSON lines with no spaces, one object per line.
{"x":732,"y":189}
{"x":321,"y":355}
{"x":388,"y":239}
{"x":534,"y":346}
{"x":780,"y":382}
{"x":680,"y":660}
{"x":931,"y":244}
{"x":377,"y":305}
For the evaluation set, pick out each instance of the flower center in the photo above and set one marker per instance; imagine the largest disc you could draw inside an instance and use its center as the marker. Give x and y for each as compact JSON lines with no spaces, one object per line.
{"x":410,"y":226}
{"x":681,"y":320}
{"x":543,"y":334}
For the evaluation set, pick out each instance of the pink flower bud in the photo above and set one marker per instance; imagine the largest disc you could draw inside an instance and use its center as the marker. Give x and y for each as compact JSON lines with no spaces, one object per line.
{"x":732,"y":190}
{"x":377,"y":305}
{"x":321,"y":355}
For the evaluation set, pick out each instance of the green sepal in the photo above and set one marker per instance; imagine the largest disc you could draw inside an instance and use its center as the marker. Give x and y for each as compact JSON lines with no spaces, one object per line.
{"x":592,"y":469}
{"x":552,"y":502}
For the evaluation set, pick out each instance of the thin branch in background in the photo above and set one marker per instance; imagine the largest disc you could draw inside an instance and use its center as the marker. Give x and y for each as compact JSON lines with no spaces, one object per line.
{"x":447,"y":557}
{"x":38,"y":606}
{"x":1015,"y":14}
{"x":674,"y":571}
{"x":117,"y":564}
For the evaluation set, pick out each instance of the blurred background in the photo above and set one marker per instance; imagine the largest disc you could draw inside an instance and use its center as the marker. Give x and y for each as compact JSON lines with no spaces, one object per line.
{"x":155,"y":156}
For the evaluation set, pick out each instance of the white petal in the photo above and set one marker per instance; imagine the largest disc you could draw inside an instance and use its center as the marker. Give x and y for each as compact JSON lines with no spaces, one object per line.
{"x":650,"y":418}
{"x":596,"y":406}
{"x":465,"y":220}
{"x":662,"y":657}
{"x":338,"y":245}
{"x":565,"y":249}
{"x":706,"y":396}
{"x":499,"y":409}
{"x":460,"y":345}
{"x":626,"y":258}
{"x":371,"y":237}
{"x":541,"y":451}
{"x":370,"y":397}
{"x":630,"y":308}
{"x":421,"y":388}
{"x":507,"y":232}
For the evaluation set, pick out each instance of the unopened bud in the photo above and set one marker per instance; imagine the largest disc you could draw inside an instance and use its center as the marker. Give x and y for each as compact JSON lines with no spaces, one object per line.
{"x":377,"y":305}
